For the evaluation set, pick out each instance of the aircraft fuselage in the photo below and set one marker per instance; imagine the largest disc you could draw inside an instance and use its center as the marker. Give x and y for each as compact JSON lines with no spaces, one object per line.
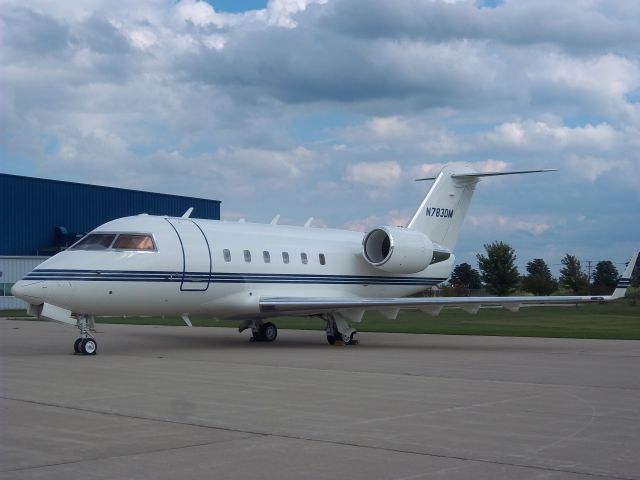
{"x":214,"y":268}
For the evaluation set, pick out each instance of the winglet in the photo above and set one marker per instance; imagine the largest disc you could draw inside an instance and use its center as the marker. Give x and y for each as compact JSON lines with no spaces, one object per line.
{"x":187,"y":214}
{"x":625,"y":280}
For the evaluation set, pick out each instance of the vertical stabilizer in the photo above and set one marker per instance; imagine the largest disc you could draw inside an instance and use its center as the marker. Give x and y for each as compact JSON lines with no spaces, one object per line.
{"x":442,"y":212}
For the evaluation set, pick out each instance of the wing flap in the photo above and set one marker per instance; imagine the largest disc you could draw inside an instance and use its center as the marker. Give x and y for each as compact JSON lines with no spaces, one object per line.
{"x":432,"y":305}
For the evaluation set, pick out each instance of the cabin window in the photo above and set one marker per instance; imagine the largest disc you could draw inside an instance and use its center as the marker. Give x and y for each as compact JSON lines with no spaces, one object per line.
{"x":304,"y":258}
{"x":126,"y":241}
{"x":266,"y":256}
{"x":95,"y":241}
{"x":285,"y":257}
{"x":323,"y":260}
{"x":247,"y":256}
{"x":226,"y":253}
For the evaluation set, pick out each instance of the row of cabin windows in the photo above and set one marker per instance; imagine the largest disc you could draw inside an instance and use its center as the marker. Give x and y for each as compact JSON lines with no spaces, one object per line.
{"x":142,"y":241}
{"x":266,"y":256}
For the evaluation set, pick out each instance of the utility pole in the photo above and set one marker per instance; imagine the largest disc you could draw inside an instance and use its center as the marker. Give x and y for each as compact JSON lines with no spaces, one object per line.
{"x":589,"y":275}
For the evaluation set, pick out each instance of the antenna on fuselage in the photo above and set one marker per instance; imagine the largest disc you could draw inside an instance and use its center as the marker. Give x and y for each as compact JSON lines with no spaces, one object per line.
{"x":187,"y":214}
{"x":275,"y":220}
{"x":307,"y":224}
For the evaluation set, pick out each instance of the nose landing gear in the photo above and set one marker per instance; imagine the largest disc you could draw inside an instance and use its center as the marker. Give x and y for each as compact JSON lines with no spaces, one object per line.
{"x":85,"y":344}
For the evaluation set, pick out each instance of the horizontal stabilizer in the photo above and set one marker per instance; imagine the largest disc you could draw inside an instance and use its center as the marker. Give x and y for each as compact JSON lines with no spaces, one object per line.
{"x":490,"y":174}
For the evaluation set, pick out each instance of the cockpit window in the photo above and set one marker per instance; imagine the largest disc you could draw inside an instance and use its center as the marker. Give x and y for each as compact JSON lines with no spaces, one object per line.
{"x":123,"y":241}
{"x":134,"y":242}
{"x":95,"y":241}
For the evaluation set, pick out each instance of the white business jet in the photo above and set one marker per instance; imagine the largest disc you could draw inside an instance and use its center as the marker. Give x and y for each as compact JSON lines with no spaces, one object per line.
{"x":159,"y":265}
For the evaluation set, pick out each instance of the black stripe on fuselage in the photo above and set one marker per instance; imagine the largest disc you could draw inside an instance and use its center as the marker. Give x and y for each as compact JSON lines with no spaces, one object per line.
{"x":221,"y":277}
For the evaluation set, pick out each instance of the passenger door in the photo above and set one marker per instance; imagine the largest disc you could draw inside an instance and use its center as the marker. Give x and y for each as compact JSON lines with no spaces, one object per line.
{"x":196,"y":255}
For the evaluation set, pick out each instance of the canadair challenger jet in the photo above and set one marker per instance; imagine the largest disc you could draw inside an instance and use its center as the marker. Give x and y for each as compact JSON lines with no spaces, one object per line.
{"x":159,"y":265}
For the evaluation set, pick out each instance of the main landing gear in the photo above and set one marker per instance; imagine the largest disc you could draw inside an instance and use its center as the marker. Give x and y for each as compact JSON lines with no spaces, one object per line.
{"x":339,"y":332}
{"x":85,"y":344}
{"x":261,"y":332}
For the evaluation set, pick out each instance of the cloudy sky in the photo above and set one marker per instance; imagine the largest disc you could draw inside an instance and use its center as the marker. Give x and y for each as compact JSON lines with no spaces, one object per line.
{"x":332,"y":108}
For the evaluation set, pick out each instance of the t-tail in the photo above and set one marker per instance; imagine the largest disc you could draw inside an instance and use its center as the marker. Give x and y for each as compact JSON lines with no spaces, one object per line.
{"x":442,"y":212}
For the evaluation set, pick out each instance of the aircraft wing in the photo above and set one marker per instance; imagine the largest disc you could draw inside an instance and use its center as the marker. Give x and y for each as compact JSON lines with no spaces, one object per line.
{"x":432,"y":305}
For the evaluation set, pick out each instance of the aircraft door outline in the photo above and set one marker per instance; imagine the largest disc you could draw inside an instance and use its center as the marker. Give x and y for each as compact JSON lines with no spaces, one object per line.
{"x":195,"y":252}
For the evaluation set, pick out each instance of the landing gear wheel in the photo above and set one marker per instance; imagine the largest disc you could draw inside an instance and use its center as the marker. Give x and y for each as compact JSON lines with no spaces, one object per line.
{"x":268,"y":332}
{"x":350,"y":340}
{"x":331,"y":339}
{"x":76,"y":345}
{"x":88,"y":346}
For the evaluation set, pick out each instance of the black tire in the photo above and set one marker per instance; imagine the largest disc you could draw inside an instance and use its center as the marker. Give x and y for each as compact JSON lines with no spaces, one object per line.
{"x":351,"y":340}
{"x":268,"y":332}
{"x":89,"y":346}
{"x":76,"y":345}
{"x":331,"y":339}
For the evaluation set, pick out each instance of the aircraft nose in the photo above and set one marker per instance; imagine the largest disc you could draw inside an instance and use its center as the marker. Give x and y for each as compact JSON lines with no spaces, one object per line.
{"x":30,"y":292}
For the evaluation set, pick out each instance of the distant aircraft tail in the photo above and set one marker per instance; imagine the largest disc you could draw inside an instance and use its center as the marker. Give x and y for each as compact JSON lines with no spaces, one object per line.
{"x":625,"y":280}
{"x":442,"y":212}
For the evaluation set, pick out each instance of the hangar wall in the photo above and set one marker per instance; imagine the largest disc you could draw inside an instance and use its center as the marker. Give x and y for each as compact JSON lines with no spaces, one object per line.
{"x":32,"y":208}
{"x":40,"y":217}
{"x":13,"y":269}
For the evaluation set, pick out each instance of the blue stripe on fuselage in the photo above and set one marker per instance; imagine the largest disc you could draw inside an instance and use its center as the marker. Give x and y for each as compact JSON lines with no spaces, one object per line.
{"x":220,"y":277}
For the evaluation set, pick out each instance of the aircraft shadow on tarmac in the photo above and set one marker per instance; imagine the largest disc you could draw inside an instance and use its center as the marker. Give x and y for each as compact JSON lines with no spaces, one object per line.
{"x":155,"y":339}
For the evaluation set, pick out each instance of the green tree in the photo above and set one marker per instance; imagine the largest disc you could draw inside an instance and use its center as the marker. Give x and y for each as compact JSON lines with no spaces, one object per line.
{"x":465,"y":276}
{"x":498,"y":270}
{"x":606,"y":274}
{"x":539,"y":280}
{"x":572,"y":276}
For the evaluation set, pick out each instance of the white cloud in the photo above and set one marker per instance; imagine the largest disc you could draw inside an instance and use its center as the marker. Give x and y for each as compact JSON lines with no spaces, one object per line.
{"x":389,"y":127}
{"x":336,"y":105}
{"x":433,"y":169}
{"x":394,"y":218}
{"x":282,"y":13}
{"x":540,"y":135}
{"x":591,"y":168}
{"x":378,"y":174}
{"x":142,"y":38}
{"x":199,"y":13}
{"x":601,"y":83}
{"x":499,"y":224}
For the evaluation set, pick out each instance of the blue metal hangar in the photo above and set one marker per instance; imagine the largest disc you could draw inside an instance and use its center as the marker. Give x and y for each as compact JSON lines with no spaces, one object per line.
{"x":40,"y":217}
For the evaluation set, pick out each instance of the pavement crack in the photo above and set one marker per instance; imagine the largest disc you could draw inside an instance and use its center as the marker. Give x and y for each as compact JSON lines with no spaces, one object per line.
{"x":124,"y":455}
{"x":325,"y":441}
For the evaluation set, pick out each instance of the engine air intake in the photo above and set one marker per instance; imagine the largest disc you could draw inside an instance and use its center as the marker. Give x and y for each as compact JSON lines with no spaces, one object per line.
{"x":398,"y":250}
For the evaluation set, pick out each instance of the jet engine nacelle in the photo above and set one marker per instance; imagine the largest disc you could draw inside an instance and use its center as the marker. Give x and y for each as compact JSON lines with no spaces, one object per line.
{"x":399,"y":250}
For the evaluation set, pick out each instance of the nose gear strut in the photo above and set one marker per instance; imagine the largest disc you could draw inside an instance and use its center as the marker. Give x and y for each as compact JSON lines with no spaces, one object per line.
{"x":85,"y":344}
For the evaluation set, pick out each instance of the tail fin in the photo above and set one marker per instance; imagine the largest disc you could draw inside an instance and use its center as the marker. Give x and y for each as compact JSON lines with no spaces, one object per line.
{"x":442,"y":212}
{"x":625,"y":280}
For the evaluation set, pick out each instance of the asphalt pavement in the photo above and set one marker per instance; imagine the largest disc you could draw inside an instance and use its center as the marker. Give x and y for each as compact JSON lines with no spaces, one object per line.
{"x":179,"y":402}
